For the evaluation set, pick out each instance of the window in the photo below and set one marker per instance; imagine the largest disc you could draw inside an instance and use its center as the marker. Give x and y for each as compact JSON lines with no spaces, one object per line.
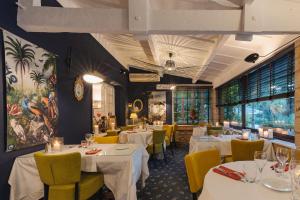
{"x":103,"y":99}
{"x":233,"y":114}
{"x":263,"y":97}
{"x":278,"y":113}
{"x":191,"y":106}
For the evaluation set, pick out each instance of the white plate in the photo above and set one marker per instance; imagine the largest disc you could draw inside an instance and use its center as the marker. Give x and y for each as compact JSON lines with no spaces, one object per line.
{"x":278,"y":184}
{"x":122,"y":148}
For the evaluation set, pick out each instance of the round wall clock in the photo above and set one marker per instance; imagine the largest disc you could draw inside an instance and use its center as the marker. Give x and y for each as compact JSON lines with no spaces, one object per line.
{"x":78,"y":88}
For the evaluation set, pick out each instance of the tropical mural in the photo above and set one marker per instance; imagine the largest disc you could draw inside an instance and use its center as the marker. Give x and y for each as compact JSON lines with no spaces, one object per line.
{"x":31,"y":98}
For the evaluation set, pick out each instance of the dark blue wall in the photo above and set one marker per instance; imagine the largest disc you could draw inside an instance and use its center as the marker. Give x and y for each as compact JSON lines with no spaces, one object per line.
{"x":75,"y":117}
{"x":141,"y":91}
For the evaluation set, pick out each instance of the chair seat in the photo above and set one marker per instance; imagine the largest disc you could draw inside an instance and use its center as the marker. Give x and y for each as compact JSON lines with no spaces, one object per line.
{"x":167,"y":139}
{"x":228,"y":159}
{"x":89,"y":184}
{"x":158,"y":149}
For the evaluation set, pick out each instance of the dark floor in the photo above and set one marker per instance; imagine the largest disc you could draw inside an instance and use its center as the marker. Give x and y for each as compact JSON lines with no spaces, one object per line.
{"x":167,"y":181}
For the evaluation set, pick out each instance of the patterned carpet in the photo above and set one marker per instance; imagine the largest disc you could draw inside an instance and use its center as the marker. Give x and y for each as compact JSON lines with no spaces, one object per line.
{"x":167,"y":181}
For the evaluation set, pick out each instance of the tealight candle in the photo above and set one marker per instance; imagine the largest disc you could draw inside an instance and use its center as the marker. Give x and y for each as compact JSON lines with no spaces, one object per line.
{"x":261,"y":132}
{"x":270,"y":131}
{"x":57,"y":143}
{"x":226,"y":124}
{"x":245,"y":135}
{"x":266,"y":134}
{"x":96,"y":129}
{"x":112,"y":126}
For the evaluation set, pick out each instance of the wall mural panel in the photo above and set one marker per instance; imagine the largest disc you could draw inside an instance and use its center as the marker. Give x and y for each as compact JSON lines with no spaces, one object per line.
{"x":31,"y":97}
{"x":157,"y":106}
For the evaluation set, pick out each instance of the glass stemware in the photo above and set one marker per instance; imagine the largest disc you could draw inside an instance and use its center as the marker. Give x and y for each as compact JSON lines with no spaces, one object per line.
{"x":294,"y":169}
{"x":260,"y":159}
{"x":282,"y":155}
{"x":250,"y":171}
{"x":89,"y":138}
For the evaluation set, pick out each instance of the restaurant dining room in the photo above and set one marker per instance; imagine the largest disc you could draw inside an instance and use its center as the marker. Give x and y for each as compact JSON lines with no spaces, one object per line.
{"x":149,"y":100}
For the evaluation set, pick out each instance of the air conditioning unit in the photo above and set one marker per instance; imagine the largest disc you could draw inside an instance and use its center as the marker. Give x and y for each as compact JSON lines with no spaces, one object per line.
{"x":144,"y":77}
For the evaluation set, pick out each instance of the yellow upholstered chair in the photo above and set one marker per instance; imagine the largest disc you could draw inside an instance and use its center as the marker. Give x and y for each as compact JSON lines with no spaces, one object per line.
{"x":168,"y":137}
{"x":197,"y":165}
{"x":214,"y":130}
{"x":107,"y":140}
{"x":63,"y":179}
{"x":157,"y":145}
{"x":202,"y":124}
{"x":111,"y":133}
{"x":244,"y":150}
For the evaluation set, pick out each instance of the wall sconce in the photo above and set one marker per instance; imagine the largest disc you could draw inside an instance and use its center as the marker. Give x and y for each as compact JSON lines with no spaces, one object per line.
{"x":92,"y":77}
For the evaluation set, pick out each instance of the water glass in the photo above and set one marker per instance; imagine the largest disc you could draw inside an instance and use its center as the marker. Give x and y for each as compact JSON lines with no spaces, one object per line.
{"x":260,"y":159}
{"x":294,"y":170}
{"x":83,"y":143}
{"x":89,"y":138}
{"x":250,"y":171}
{"x":282,"y":155}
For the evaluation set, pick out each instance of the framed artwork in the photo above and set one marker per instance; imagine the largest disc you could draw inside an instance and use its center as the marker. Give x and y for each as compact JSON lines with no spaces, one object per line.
{"x":157,"y":106}
{"x":78,"y":88}
{"x":31,"y":98}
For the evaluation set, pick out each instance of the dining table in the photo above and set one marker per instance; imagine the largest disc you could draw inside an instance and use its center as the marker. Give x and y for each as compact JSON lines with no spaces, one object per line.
{"x":219,"y":187}
{"x":223,"y":144}
{"x":139,"y":136}
{"x":121,"y":164}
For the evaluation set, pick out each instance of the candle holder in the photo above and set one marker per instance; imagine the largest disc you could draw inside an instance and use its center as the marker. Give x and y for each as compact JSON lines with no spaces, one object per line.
{"x":57,"y":144}
{"x":246,"y":134}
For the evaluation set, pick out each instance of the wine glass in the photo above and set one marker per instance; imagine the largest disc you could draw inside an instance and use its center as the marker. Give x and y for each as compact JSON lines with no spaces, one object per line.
{"x":260,"y":159}
{"x":250,"y":171}
{"x":282,"y":155}
{"x":294,"y":169}
{"x":89,"y":138}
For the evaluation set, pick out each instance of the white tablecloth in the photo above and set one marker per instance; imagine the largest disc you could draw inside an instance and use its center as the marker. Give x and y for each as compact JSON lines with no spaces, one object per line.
{"x":199,"y":131}
{"x":136,"y":137}
{"x":218,"y":187}
{"x":223,"y":144}
{"x":121,"y":169}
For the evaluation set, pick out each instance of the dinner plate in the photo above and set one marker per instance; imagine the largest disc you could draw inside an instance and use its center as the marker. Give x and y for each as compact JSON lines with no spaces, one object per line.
{"x":278,"y":184}
{"x":122,"y":148}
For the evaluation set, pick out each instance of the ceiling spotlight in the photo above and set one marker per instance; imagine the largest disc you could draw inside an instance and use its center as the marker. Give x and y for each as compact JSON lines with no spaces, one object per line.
{"x":252,"y":58}
{"x":92,"y":77}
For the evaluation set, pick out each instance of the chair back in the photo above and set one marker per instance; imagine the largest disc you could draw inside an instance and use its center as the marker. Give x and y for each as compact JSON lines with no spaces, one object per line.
{"x":202,"y":124}
{"x":198,"y":164}
{"x":111,"y":133}
{"x":169,"y":130}
{"x":107,"y":140}
{"x":158,"y":136}
{"x":244,"y":150}
{"x":216,"y":130}
{"x":61,"y":169}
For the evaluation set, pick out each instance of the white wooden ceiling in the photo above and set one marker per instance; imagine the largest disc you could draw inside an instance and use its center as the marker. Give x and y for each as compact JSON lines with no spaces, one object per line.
{"x":215,"y":58}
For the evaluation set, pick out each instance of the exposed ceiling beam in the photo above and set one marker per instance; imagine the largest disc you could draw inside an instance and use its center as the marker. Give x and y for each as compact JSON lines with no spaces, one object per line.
{"x":140,"y":18}
{"x":227,"y":3}
{"x":210,"y":57}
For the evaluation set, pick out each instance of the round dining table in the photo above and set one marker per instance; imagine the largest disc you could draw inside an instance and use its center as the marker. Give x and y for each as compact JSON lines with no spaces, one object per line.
{"x":219,"y":187}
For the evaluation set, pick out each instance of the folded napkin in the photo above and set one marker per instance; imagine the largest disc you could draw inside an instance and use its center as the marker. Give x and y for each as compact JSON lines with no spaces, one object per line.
{"x":228,"y":173}
{"x":93,"y":151}
{"x":276,"y":165}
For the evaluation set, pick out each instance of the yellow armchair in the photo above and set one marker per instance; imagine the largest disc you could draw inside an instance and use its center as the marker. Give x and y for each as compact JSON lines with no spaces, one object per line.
{"x":244,"y":150}
{"x":107,"y":139}
{"x":111,"y":133}
{"x":62,"y":177}
{"x":168,"y":137}
{"x":197,"y":165}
